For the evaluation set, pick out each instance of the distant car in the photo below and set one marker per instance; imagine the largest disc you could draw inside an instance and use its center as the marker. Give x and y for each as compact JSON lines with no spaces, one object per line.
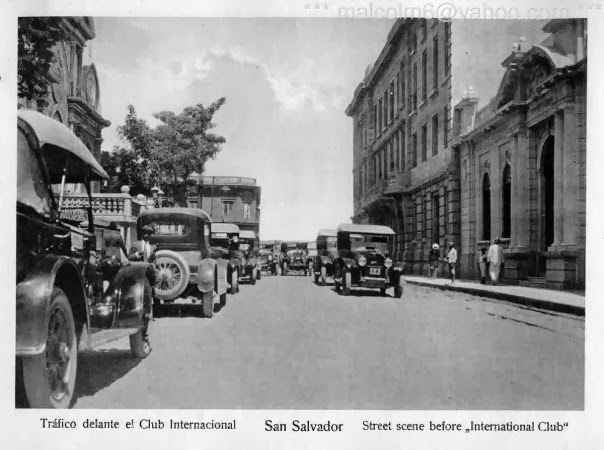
{"x":248,"y":245}
{"x":326,"y":253}
{"x":268,"y":262}
{"x":224,"y":238}
{"x":364,"y":259}
{"x":294,"y":259}
{"x":184,"y":263}
{"x":69,"y":297}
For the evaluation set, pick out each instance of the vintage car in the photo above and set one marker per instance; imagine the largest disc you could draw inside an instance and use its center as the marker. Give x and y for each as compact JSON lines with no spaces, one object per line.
{"x":311,"y":256}
{"x":294,"y":258}
{"x":184,"y":263}
{"x":248,"y":244}
{"x":271,"y":257}
{"x":326,"y":253}
{"x":364,"y":259}
{"x":224,"y":239}
{"x":69,"y":298}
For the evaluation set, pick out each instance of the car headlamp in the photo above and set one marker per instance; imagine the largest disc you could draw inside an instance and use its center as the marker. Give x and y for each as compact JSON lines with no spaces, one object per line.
{"x":270,"y":257}
{"x":235,"y":239}
{"x":388,"y":262}
{"x":362,"y":261}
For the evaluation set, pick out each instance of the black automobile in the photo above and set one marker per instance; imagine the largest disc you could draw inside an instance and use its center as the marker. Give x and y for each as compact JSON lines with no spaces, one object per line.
{"x":70,"y":297}
{"x":326,"y":253}
{"x":270,"y":257}
{"x":295,"y":259}
{"x":364,"y":259}
{"x":186,"y":265}
{"x":248,"y":245}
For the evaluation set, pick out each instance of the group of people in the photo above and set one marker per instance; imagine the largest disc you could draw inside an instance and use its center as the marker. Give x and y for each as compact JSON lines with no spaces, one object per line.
{"x":490,"y":260}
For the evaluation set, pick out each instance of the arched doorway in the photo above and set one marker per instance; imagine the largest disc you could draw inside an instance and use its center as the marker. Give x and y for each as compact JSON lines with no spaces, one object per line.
{"x":547,"y":198}
{"x":506,"y":229}
{"x":486,"y":207}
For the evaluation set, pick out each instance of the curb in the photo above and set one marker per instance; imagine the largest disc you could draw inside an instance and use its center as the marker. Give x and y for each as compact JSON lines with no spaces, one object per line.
{"x":512,"y":298}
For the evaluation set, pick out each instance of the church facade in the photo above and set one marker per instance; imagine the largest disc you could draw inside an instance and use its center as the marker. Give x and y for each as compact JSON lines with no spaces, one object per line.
{"x":522,"y":162}
{"x":74,"y":94}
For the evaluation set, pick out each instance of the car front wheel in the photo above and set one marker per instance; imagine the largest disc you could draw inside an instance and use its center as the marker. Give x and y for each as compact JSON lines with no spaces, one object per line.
{"x":140,"y":343}
{"x":234,"y":282}
{"x":49,"y":377}
{"x":398,"y":289}
{"x":323,"y":276}
{"x":347,"y":283}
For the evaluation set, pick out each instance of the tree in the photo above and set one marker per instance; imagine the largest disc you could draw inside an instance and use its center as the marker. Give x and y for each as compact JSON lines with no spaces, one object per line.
{"x":36,"y":38}
{"x":182,"y":144}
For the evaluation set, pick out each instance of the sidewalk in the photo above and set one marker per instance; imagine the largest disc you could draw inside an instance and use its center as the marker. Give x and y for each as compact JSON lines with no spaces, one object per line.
{"x":549,"y":299}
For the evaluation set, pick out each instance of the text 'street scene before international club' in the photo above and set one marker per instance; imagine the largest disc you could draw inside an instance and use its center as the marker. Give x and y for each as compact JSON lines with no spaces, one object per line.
{"x":300,"y":214}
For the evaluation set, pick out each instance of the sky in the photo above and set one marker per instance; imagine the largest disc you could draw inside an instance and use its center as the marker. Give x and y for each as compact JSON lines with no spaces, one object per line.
{"x":287,"y":82}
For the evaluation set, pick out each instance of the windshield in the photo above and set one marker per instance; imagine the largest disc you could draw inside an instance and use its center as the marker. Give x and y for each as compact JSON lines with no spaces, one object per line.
{"x":369,"y":242}
{"x":247,"y":245}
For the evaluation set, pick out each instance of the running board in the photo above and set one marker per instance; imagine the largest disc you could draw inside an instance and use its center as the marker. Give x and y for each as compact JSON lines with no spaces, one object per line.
{"x":89,"y":341}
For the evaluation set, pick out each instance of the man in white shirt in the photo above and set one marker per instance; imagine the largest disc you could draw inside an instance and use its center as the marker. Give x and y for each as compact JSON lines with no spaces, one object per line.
{"x":495,"y":259}
{"x":452,"y":260}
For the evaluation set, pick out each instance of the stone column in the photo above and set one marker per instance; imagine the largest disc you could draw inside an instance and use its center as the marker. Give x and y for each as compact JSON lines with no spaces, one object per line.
{"x":571,"y":177}
{"x":558,"y":178}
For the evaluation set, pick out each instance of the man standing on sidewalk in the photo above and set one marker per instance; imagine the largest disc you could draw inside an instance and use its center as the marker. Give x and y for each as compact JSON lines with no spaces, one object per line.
{"x":452,"y":260}
{"x":434,"y":257}
{"x":495,"y":259}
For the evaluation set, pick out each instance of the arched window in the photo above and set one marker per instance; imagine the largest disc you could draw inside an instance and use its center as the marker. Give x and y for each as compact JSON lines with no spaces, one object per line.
{"x":507,"y":203}
{"x":486,"y":207}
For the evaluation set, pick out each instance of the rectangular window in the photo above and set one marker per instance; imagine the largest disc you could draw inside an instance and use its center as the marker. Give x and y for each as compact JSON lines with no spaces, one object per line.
{"x":374,"y":122}
{"x":446,"y":126}
{"x":397,"y":150}
{"x":435,"y":63}
{"x":424,"y":142}
{"x":227,"y":207}
{"x":379,"y":128}
{"x":414,"y":151}
{"x":424,"y":75}
{"x":414,"y":99}
{"x":435,"y":134}
{"x":424,"y":29}
{"x":385,"y":123}
{"x":401,"y":89}
{"x":247,"y":211}
{"x":435,"y":219}
{"x":391,"y":101}
{"x":391,"y":146}
{"x":403,"y":147}
{"x":397,"y":96}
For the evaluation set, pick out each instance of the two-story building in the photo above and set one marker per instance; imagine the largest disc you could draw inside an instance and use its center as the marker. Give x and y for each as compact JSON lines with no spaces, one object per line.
{"x":230,"y":200}
{"x":523,"y":162}
{"x":404,"y":173}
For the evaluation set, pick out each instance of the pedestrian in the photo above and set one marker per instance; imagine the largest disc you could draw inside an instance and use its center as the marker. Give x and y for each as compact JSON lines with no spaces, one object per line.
{"x":482,"y":264}
{"x":495,"y":259}
{"x":434,"y":257}
{"x":452,"y":260}
{"x":114,"y":242}
{"x":143,"y":250}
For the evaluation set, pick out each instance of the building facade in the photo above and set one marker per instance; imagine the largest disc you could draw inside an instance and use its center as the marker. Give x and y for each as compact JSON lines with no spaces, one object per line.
{"x":230,"y":199}
{"x":405,"y":175}
{"x":73,"y":96}
{"x":523,"y":162}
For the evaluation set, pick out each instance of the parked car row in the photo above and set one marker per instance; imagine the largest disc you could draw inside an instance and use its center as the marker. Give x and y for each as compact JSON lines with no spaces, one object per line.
{"x":73,"y":294}
{"x":357,"y":256}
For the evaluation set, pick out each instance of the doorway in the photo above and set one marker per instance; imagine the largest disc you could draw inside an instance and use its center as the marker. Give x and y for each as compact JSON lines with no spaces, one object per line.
{"x":547,"y":200}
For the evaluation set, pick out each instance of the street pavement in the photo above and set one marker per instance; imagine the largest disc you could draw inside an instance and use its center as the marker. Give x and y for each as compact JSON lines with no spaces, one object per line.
{"x":288,"y":344}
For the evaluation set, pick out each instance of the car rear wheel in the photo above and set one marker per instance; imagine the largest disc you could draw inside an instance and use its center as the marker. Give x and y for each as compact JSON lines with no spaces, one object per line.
{"x":223,"y":299}
{"x":284,"y":269}
{"x":140,"y":343}
{"x":398,"y":289}
{"x":259,"y":272}
{"x":323,"y":276}
{"x":172,"y":273}
{"x":253,"y":277}
{"x":347,"y":283}
{"x":207,"y":304}
{"x":49,"y":378}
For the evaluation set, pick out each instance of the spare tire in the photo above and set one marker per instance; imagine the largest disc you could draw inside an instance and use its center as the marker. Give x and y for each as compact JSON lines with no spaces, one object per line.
{"x":172,"y":274}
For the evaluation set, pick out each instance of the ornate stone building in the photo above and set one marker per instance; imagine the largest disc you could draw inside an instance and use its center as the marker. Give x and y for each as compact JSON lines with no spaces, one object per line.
{"x":404,"y":173}
{"x":523,"y":162}
{"x":74,"y":93}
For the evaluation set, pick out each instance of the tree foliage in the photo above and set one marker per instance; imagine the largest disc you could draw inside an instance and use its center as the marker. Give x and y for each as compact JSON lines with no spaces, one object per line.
{"x":166,"y":155}
{"x":36,"y":38}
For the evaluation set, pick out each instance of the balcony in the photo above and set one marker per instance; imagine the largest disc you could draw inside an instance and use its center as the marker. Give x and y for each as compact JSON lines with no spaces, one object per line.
{"x":398,"y":183}
{"x":120,"y":208}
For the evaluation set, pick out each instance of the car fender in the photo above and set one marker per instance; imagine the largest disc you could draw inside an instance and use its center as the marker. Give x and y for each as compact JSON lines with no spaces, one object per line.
{"x":222,"y":270}
{"x":129,"y":284}
{"x":33,"y":300}
{"x":205,"y":275}
{"x":394,"y":274}
{"x":348,"y":263}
